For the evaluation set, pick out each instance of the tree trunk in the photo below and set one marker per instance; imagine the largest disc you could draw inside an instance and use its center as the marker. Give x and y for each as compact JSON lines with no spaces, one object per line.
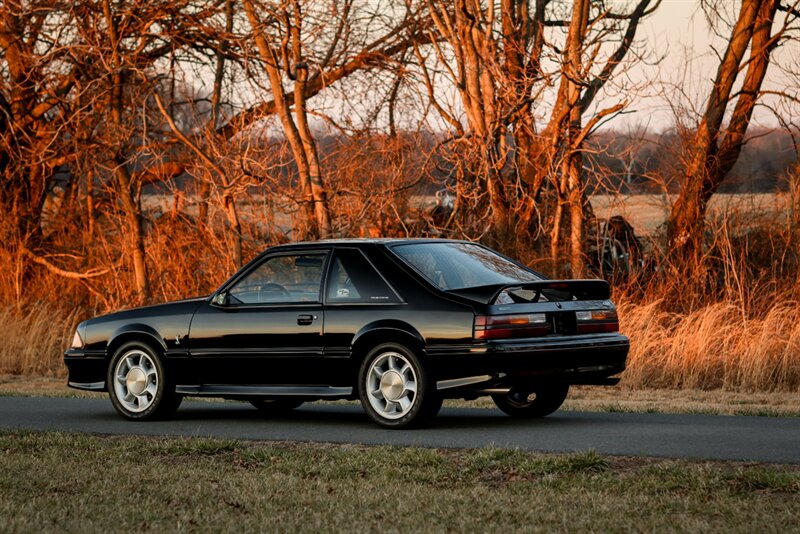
{"x":577,"y":216}
{"x":133,"y":220}
{"x":236,"y":229}
{"x":90,"y":207}
{"x":309,"y":146}
{"x":314,"y":198}
{"x":204,"y":187}
{"x":555,"y":234}
{"x":713,"y":152}
{"x":125,"y":189}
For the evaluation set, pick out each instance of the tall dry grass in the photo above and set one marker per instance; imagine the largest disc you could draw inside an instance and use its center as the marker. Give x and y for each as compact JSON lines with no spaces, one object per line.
{"x":713,"y":347}
{"x":730,"y":320}
{"x":709,"y":348}
{"x":34,"y":340}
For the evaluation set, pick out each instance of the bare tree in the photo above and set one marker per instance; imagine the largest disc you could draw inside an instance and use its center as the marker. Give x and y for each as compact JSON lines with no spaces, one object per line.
{"x":354,"y":38}
{"x":495,"y":61}
{"x":282,"y":54}
{"x":123,"y":44}
{"x":715,"y":147}
{"x":37,"y":76}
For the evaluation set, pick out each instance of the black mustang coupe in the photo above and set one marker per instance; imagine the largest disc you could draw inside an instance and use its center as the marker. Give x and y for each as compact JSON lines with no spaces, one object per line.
{"x":398,"y":323}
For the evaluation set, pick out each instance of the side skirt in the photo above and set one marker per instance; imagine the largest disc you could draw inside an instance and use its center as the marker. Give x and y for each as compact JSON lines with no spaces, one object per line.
{"x":88,"y":386}
{"x":461,"y":382}
{"x":265,"y":391}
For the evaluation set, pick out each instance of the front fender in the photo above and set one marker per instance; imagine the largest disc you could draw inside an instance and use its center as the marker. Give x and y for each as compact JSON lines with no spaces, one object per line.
{"x":138,"y":332}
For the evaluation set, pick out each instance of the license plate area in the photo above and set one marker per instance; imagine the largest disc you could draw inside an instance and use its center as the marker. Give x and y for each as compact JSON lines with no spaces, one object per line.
{"x":563,"y":323}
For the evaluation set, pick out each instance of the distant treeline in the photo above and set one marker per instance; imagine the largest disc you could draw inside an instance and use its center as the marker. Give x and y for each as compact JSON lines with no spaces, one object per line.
{"x":618,"y":162}
{"x":645,"y":162}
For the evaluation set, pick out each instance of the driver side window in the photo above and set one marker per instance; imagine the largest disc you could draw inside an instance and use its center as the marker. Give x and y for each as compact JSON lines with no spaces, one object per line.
{"x":293,"y":278}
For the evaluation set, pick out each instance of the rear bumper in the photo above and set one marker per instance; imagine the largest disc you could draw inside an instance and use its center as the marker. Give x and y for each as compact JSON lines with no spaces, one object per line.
{"x":87,"y":370}
{"x":587,"y":359}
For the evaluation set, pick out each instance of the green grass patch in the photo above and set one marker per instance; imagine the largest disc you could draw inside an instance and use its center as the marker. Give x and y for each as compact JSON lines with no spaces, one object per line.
{"x":196,"y":446}
{"x":85,"y":483}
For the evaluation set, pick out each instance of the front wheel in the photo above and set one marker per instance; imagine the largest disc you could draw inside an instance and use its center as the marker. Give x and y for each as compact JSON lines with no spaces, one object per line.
{"x":534,"y":401}
{"x":395,"y":388}
{"x":138,"y":384}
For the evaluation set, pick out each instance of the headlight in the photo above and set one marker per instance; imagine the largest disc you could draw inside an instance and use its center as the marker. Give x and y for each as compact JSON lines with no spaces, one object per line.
{"x":77,"y":342}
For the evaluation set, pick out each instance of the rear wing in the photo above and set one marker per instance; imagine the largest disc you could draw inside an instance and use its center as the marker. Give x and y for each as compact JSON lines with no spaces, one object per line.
{"x":552,"y":290}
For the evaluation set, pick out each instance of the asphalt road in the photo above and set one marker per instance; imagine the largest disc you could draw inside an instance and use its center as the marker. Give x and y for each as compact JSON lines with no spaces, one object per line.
{"x":762,"y":439}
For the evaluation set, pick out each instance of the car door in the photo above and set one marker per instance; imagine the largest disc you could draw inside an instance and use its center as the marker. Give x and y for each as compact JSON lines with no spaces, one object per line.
{"x":264,"y":328}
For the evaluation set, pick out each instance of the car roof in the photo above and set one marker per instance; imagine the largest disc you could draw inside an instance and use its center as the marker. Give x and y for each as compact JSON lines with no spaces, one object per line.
{"x":368,"y":241}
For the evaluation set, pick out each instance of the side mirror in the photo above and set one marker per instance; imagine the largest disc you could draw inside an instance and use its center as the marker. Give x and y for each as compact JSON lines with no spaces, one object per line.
{"x":221,"y":299}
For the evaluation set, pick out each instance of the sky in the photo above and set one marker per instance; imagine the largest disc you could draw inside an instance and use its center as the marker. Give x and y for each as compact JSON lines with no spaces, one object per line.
{"x":681,"y":59}
{"x":679,"y":30}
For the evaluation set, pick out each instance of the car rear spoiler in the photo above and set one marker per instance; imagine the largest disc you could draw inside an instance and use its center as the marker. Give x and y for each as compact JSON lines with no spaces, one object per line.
{"x":554,"y":290}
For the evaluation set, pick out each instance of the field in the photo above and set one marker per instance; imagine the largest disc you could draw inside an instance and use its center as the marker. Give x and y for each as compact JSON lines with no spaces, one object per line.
{"x":648,"y":212}
{"x":95,"y":484}
{"x":645,"y":212}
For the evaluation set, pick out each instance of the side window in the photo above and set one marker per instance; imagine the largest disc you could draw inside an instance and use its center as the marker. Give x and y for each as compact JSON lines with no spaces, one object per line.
{"x":291,"y":279}
{"x":352,"y":279}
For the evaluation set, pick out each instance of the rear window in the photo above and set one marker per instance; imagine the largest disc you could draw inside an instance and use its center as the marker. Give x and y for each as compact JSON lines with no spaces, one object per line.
{"x":453,"y":266}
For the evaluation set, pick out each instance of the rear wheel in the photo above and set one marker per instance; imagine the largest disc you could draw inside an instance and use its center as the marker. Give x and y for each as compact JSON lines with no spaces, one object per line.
{"x":538,"y":400}
{"x":276,"y":406}
{"x":395,"y":389}
{"x":138,"y":384}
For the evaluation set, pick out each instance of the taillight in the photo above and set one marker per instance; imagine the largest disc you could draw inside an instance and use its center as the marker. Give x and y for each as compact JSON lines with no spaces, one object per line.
{"x":597,"y":321}
{"x":510,"y":326}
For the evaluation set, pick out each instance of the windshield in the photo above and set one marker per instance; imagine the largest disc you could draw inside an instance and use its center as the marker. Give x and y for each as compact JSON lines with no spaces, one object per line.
{"x":460,"y":265}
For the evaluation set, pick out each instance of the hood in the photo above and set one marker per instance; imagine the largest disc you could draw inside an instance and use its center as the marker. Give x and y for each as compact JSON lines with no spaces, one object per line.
{"x":165,"y":308}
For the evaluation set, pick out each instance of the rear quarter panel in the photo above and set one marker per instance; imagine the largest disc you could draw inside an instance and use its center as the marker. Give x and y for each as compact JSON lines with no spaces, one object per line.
{"x":424,"y":318}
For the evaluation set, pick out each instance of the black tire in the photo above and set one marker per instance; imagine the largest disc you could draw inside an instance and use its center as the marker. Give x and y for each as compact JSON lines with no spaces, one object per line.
{"x":276,"y":406}
{"x":538,"y":400}
{"x":143,"y":366}
{"x":402,"y":408}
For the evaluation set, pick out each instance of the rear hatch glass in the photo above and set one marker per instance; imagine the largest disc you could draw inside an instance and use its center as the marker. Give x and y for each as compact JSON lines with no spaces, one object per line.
{"x":520,"y":302}
{"x":455,"y":266}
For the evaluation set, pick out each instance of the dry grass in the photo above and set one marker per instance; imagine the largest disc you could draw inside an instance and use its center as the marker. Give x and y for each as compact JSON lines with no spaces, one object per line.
{"x":734,"y":325}
{"x":714,"y":347}
{"x":647,"y":213}
{"x":692,"y":401}
{"x":34,"y":340}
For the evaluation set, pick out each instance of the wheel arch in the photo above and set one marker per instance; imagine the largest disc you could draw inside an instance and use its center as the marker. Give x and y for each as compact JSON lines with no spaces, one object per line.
{"x":388,"y":331}
{"x":141,"y":333}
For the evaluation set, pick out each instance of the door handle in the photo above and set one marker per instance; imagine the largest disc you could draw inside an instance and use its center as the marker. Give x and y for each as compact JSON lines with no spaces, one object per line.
{"x":305,"y":319}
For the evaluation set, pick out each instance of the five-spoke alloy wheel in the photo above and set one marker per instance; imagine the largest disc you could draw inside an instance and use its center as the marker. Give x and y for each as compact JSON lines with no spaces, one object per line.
{"x":137,"y":384}
{"x":395,"y":389}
